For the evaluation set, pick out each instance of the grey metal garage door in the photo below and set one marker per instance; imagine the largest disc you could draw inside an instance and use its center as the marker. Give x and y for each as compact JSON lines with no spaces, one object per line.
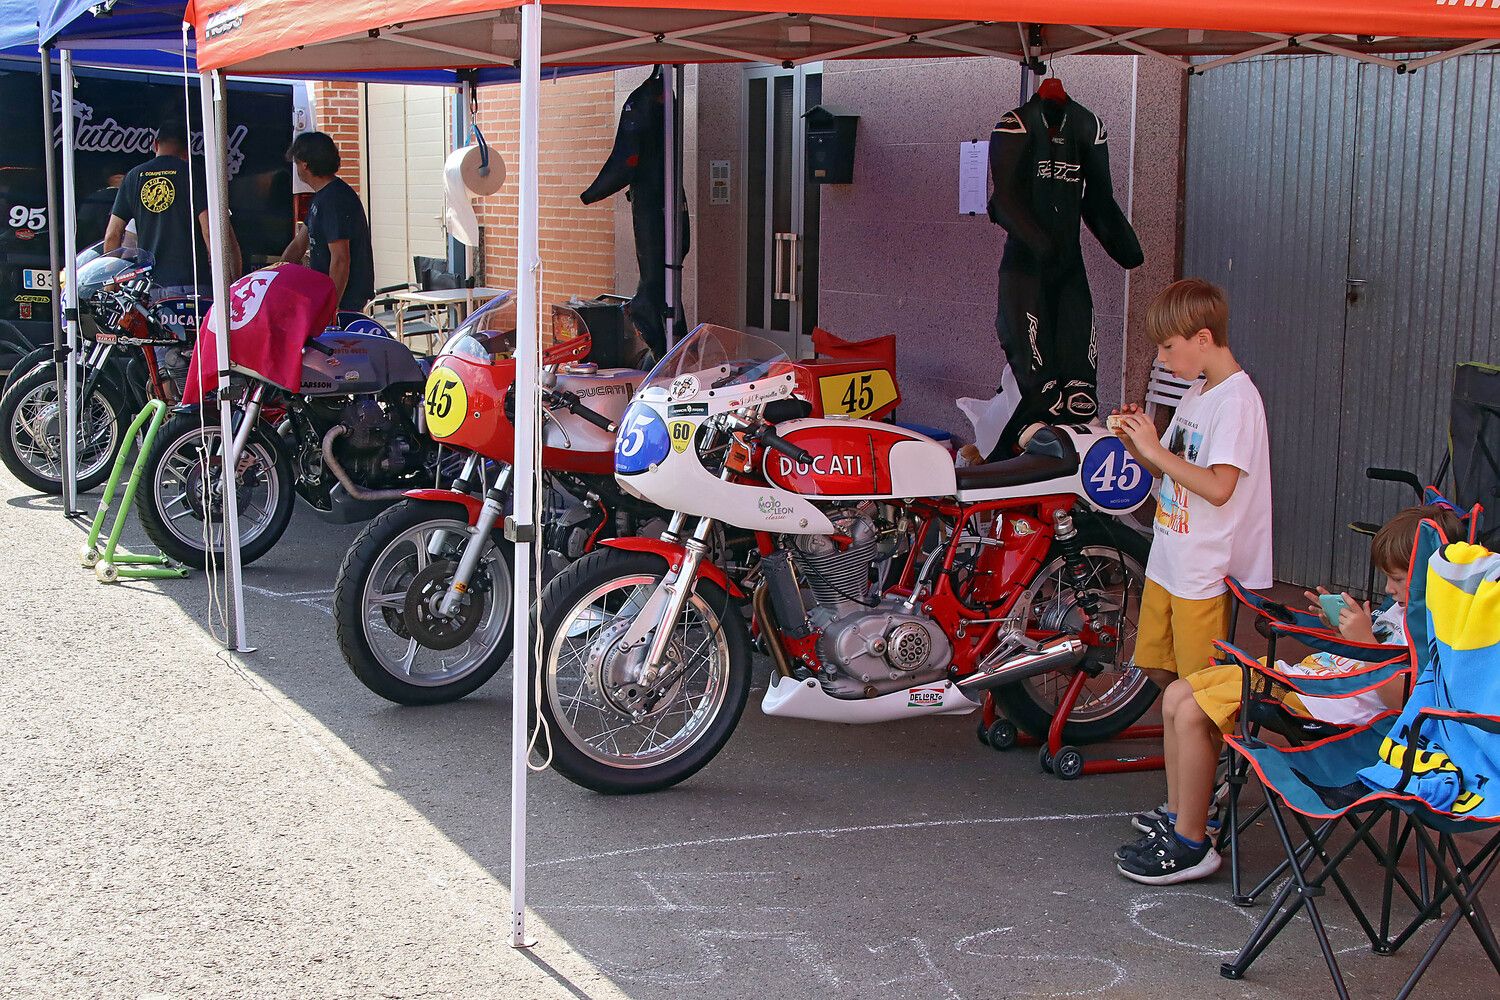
{"x":1352,"y":215}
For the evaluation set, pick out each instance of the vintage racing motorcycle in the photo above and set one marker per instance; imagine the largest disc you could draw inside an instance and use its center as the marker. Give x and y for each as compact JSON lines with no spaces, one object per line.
{"x":423,"y":599}
{"x":136,"y":347}
{"x":890,"y":584}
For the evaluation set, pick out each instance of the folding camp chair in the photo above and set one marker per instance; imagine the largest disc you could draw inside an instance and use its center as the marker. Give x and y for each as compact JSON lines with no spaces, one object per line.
{"x":1263,"y":711}
{"x":1329,"y":783}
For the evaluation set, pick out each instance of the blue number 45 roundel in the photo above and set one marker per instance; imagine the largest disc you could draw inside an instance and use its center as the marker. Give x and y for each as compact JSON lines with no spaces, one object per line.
{"x":642,"y":441}
{"x":1112,"y":480}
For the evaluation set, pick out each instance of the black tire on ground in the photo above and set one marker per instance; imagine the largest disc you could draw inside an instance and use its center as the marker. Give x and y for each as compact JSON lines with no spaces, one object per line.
{"x":1018,"y":701}
{"x":349,"y":610}
{"x":558,"y":601}
{"x":176,"y":434}
{"x":105,"y":392}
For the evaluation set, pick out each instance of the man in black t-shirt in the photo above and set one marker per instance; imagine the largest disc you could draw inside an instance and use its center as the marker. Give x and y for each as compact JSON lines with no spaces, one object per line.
{"x":161,"y":200}
{"x":335,"y":239}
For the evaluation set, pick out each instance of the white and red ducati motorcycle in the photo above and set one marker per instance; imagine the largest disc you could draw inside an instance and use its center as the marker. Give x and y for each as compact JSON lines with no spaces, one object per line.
{"x":890,"y":584}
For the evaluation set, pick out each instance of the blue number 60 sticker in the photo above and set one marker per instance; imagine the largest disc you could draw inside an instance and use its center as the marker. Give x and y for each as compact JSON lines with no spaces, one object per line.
{"x":1112,"y":480}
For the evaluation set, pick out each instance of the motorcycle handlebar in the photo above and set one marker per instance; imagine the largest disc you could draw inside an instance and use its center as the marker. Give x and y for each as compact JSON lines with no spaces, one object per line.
{"x":313,"y":345}
{"x":575,"y":406}
{"x":776,"y":442}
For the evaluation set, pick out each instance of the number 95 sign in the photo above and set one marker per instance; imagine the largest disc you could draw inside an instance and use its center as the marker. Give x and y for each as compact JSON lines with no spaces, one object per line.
{"x":1112,"y":480}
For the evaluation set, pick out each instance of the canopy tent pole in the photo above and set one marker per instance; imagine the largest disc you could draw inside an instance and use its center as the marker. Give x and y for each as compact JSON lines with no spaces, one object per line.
{"x":522,"y":527}
{"x":70,"y":263}
{"x":211,"y":97}
{"x":54,"y":252}
{"x":669,"y":203}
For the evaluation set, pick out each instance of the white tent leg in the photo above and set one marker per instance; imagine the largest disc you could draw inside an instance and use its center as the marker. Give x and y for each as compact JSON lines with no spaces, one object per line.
{"x":70,"y":253}
{"x":211,"y":96}
{"x":54,"y":253}
{"x":523,"y":521}
{"x":669,"y":203}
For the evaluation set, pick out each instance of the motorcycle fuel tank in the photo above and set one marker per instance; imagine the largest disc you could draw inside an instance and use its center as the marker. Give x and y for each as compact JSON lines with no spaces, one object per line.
{"x":360,"y":363}
{"x":860,"y":459}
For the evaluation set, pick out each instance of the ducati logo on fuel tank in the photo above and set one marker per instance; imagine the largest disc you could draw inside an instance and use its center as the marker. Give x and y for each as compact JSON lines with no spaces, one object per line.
{"x":824,"y":465}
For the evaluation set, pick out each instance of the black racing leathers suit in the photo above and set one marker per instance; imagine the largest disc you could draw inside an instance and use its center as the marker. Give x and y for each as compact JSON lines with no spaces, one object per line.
{"x":638,"y":159}
{"x":1050,"y":165}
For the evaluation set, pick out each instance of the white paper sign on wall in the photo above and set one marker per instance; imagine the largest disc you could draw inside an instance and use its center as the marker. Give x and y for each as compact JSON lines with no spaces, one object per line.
{"x":973,"y":177}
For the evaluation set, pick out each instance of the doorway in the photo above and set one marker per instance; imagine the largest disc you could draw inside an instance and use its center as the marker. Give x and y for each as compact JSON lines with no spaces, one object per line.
{"x":781,"y":207}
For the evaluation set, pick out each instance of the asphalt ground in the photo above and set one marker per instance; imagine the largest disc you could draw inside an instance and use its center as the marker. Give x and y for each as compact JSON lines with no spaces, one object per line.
{"x":179,"y":821}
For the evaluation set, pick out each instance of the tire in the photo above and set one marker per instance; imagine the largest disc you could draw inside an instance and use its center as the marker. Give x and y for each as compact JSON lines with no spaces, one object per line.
{"x":391,"y":550}
{"x":623,"y":579}
{"x":173,"y":477}
{"x":1112,"y":702}
{"x":27,"y":363}
{"x":31,"y":432}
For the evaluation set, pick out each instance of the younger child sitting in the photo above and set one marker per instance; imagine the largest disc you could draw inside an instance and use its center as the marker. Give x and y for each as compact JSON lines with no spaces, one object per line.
{"x":1200,"y":709}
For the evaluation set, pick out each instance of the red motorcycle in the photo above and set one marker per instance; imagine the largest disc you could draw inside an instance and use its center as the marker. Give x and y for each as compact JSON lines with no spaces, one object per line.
{"x":890,"y":584}
{"x":422,"y":603}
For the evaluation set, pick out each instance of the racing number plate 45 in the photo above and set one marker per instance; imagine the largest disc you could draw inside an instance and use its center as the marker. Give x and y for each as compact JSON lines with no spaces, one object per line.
{"x":446,"y":401}
{"x":857,"y":394}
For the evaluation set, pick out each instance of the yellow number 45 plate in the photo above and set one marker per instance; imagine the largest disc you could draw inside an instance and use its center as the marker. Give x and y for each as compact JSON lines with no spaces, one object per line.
{"x":857,"y":393}
{"x":447,"y":402}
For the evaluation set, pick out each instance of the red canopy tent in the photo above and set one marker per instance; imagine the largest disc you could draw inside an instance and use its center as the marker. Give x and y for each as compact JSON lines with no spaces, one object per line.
{"x":275,"y":36}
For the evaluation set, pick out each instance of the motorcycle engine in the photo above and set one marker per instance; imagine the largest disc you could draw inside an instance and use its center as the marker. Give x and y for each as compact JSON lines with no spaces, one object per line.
{"x":373,"y":449}
{"x":869,"y":644}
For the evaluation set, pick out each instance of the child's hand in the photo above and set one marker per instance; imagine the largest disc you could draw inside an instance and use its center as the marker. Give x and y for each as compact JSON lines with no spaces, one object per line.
{"x":1355,"y":621}
{"x":1315,"y":606}
{"x":1134,"y":428}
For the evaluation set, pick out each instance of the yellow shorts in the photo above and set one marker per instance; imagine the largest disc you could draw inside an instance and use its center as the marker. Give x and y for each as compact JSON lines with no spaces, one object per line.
{"x":1217,"y":691}
{"x":1177,"y":634}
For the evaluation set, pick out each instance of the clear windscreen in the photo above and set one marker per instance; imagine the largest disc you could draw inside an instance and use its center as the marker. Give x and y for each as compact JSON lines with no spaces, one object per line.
{"x":489,"y":334}
{"x":717,"y":356}
{"x":113,"y":268}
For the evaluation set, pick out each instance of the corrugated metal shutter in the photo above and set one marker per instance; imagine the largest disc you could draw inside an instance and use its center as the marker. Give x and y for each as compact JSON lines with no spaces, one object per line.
{"x":1269,"y":185}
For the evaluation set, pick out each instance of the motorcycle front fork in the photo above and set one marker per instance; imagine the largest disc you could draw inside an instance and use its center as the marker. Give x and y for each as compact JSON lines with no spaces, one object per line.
{"x":665,"y":605}
{"x":490,"y":513}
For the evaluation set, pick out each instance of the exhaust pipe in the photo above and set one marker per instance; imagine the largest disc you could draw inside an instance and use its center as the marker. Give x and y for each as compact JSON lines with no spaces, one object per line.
{"x":1062,"y":653}
{"x":355,"y":490}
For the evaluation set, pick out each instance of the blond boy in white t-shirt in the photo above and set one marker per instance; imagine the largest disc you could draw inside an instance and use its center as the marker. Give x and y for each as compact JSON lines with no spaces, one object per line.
{"x":1213,"y":516}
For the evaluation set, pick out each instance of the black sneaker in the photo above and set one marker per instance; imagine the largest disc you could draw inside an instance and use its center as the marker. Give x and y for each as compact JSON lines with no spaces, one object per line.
{"x":1169,"y":861}
{"x":1141,"y":843}
{"x":1151,"y":819}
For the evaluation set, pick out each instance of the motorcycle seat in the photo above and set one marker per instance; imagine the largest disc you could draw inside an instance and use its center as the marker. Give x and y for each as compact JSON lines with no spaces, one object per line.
{"x":1048,"y":455}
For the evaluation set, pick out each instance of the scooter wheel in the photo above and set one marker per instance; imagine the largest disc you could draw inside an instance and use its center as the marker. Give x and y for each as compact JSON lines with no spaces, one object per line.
{"x":1002,"y":735}
{"x":982,"y":732}
{"x":1068,"y":764}
{"x":106,"y":572}
{"x":1044,"y":759}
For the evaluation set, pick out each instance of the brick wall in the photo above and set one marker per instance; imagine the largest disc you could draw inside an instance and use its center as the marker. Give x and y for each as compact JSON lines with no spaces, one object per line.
{"x":577,"y":131}
{"x":338,"y":107}
{"x":577,"y":241}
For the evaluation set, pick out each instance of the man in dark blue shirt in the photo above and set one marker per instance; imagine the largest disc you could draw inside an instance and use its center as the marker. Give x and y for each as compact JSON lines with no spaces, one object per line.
{"x":335,"y":239}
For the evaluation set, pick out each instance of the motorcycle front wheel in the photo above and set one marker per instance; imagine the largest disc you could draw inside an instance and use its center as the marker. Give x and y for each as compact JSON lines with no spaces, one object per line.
{"x":386,"y":600}
{"x":1119,"y":693}
{"x":31,"y":444}
{"x":607,"y":733}
{"x":181,"y":503}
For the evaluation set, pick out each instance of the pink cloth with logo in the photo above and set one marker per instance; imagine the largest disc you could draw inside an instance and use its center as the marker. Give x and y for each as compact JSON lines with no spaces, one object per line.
{"x":272,"y":313}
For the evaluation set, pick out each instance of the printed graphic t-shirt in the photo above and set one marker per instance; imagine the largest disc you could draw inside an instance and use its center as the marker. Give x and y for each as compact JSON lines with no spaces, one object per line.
{"x":336,"y":213}
{"x":155,"y":195}
{"x":1356,"y":710}
{"x":1196,"y":543}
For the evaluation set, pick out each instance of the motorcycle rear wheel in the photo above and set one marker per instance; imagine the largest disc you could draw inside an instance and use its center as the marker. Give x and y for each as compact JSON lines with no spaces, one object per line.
{"x":595,"y":742}
{"x":370,"y":606}
{"x":180,"y":499}
{"x":1111,"y":702}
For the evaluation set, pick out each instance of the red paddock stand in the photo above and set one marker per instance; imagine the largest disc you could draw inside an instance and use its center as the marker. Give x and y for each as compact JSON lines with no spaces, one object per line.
{"x":1057,"y":758}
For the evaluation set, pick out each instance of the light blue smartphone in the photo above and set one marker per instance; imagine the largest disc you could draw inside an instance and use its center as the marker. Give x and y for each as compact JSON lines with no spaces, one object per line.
{"x":1332,"y":605}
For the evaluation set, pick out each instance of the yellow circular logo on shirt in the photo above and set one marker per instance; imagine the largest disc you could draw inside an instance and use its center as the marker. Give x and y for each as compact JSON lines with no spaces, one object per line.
{"x":157,"y":195}
{"x":447,"y":402}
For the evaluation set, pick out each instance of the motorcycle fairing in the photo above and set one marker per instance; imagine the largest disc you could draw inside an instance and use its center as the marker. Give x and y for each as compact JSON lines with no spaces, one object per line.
{"x":859,"y":460}
{"x":806,"y":699}
{"x":1104,"y":473}
{"x":360,"y":363}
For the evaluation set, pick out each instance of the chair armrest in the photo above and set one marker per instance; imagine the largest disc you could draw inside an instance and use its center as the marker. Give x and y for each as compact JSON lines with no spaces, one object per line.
{"x":405,"y":286}
{"x":1396,"y":476}
{"x":1344,"y":684}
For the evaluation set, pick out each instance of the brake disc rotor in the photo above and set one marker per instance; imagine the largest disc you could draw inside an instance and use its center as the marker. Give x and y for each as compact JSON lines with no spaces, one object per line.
{"x":610,"y":673}
{"x":421,"y":618}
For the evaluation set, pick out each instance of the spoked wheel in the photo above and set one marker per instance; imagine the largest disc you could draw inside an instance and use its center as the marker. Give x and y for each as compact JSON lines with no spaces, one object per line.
{"x":609,"y":731}
{"x":31,"y":445}
{"x":182,"y":504}
{"x":1119,"y":693}
{"x":386,"y":606}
